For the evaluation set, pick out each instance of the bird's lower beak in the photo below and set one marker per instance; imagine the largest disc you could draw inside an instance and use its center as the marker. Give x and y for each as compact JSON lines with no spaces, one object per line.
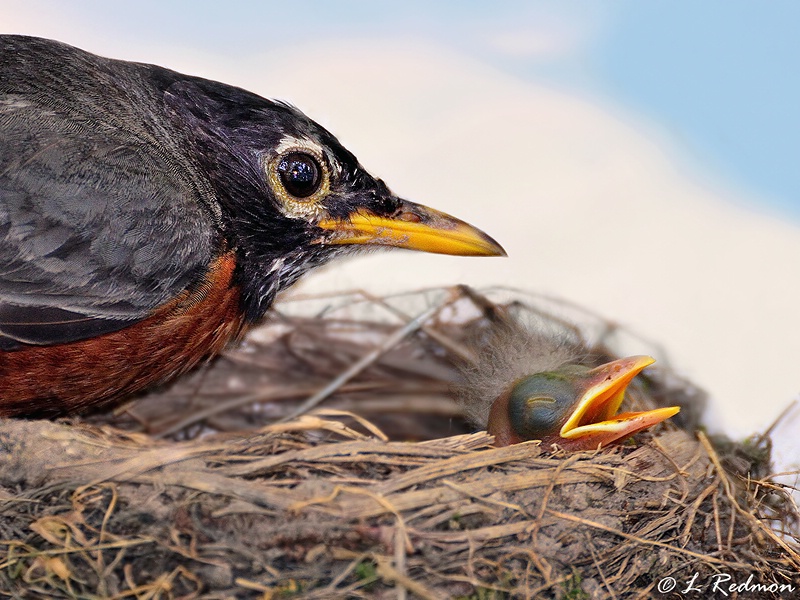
{"x":414,"y":227}
{"x":594,"y":422}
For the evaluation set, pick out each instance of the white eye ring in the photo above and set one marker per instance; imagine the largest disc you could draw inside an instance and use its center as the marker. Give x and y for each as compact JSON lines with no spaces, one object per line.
{"x":293,"y":205}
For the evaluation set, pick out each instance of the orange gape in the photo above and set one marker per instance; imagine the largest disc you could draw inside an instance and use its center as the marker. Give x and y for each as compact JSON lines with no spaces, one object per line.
{"x":51,"y":380}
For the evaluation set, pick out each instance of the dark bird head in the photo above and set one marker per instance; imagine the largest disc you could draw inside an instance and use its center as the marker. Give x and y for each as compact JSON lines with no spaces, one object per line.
{"x":292,"y":196}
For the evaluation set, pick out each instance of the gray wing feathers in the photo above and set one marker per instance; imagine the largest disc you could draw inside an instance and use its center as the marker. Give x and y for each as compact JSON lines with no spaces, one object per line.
{"x":102,"y":218}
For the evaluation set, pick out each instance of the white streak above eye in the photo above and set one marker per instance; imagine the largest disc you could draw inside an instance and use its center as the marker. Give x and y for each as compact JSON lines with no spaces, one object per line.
{"x":289,"y":142}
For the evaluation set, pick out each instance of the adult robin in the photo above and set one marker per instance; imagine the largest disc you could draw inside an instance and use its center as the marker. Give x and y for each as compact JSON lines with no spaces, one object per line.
{"x":148,"y":218}
{"x":533,"y":383}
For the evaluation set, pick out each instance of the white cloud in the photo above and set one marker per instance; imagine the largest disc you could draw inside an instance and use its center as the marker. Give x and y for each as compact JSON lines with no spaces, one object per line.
{"x":538,"y":43}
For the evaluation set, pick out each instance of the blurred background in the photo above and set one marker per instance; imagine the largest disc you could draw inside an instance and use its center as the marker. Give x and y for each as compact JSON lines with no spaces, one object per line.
{"x":639,"y":159}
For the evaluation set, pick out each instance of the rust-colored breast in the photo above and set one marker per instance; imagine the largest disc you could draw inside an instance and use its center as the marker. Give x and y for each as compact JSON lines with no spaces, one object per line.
{"x":55,"y":380}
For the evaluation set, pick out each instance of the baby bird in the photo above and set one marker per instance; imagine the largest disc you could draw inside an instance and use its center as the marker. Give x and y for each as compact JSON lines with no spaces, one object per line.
{"x":532,"y":382}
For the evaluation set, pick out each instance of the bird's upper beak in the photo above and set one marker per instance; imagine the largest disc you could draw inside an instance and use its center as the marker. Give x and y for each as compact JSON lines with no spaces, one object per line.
{"x":594,"y":421}
{"x":411,"y":226}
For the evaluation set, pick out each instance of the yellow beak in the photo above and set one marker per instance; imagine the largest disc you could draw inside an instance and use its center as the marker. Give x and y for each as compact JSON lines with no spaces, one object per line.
{"x":414,"y":227}
{"x":594,"y":421}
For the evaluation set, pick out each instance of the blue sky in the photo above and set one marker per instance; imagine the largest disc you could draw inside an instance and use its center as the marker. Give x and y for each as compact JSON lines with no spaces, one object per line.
{"x":722,"y":77}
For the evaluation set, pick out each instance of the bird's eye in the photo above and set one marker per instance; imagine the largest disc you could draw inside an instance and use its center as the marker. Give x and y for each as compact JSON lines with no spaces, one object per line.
{"x":300,"y":174}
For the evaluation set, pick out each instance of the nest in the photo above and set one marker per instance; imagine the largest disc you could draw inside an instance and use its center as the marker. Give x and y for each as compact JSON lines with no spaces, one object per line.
{"x":326,"y":458}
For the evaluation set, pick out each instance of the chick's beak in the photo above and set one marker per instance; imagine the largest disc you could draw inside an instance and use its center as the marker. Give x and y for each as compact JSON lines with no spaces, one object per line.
{"x":594,"y":421}
{"x":411,"y":226}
